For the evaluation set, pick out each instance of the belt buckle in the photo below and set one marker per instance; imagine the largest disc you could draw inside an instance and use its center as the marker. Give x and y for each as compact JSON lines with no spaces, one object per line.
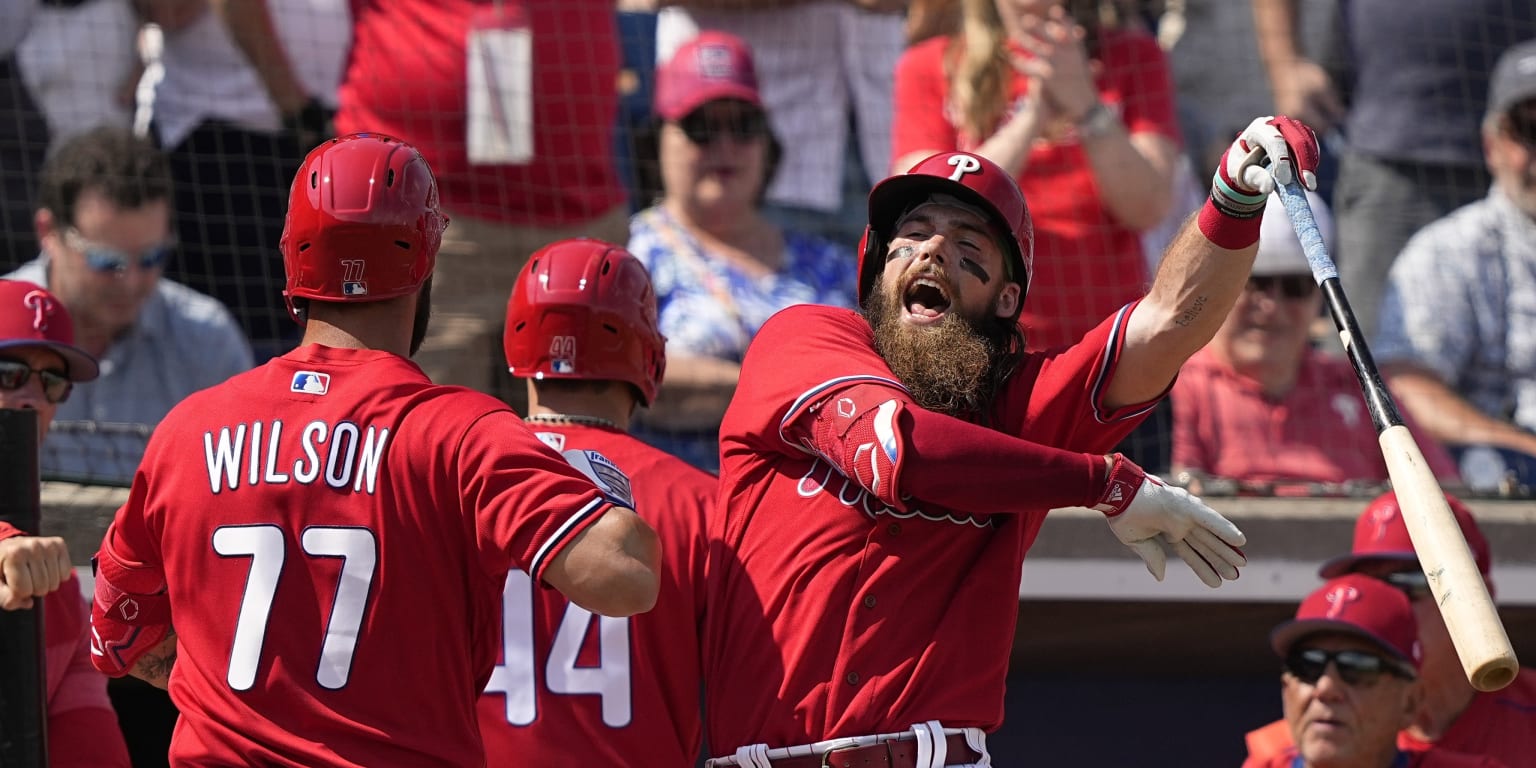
{"x":826,"y":756}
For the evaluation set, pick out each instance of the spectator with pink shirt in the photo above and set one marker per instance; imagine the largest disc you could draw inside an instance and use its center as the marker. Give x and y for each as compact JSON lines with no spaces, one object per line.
{"x":1261,"y":405}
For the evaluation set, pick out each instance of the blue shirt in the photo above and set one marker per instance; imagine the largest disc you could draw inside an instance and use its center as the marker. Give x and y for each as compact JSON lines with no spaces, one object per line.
{"x":710,"y":308}
{"x":183,"y":341}
{"x":1461,"y":301}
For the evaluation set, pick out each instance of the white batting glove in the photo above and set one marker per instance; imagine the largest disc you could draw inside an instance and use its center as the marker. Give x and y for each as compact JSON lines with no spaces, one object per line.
{"x":1146,"y":515}
{"x":1269,"y":150}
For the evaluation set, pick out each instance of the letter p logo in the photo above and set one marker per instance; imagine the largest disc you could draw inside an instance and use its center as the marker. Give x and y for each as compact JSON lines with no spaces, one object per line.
{"x":963,"y":164}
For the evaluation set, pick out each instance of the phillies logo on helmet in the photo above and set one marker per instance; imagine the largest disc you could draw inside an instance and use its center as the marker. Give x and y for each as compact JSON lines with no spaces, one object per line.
{"x":963,"y":164}
{"x":42,"y":305}
{"x":1337,"y":598}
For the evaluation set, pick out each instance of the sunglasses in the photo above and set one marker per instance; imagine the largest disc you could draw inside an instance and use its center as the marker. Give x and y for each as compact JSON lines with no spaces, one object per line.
{"x":1291,"y":286}
{"x":1521,"y":123}
{"x":1356,"y":668}
{"x":100,"y":258}
{"x":705,"y":129}
{"x":15,"y":375}
{"x":1412,"y":583}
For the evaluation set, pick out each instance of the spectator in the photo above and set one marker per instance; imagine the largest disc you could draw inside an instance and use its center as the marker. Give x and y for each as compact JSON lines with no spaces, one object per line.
{"x":825,"y":65}
{"x":1458,"y":331}
{"x":1252,"y":405}
{"x":519,"y":167}
{"x":1450,"y":714}
{"x":23,"y":139}
{"x":104,"y":221}
{"x":721,"y":267}
{"x":1352,"y":655}
{"x":1407,"y":114}
{"x":39,"y":365}
{"x":77,"y":93}
{"x":246,"y":91}
{"x":581,"y":395}
{"x":1082,"y":115}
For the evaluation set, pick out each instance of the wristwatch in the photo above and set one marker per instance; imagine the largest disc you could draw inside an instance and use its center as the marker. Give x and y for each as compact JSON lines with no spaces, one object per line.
{"x":1098,"y":121}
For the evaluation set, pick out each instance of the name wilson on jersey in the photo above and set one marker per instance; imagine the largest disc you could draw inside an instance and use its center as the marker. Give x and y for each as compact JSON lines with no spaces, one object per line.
{"x":342,"y":455}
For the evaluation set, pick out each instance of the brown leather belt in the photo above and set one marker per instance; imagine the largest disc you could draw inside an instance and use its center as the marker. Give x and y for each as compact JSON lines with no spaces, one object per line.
{"x":897,"y":753}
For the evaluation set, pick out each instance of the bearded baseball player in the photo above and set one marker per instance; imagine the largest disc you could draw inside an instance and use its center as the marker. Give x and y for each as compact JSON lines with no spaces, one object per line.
{"x":571,"y":688}
{"x":329,"y":534}
{"x":884,"y":473}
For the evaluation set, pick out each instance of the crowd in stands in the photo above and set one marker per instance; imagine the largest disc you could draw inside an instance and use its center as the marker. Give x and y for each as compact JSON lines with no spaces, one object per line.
{"x":146,"y":147}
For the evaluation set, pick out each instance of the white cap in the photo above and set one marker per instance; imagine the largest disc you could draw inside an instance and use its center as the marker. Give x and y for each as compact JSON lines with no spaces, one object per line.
{"x":1279,"y":251}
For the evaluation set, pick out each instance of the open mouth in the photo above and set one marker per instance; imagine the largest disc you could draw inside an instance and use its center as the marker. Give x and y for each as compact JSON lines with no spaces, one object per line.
{"x":925,"y":300}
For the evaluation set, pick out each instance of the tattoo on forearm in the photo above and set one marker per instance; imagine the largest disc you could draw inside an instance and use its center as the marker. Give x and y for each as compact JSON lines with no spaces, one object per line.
{"x":154,"y":667}
{"x":1188,"y":316}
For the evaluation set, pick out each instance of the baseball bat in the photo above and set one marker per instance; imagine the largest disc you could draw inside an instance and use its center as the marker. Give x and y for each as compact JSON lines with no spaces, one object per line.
{"x":1457,"y":585}
{"x":23,"y":689}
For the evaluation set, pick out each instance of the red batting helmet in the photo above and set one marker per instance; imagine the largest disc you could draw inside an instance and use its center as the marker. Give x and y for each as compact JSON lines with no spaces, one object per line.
{"x":585,"y":309}
{"x":971,"y":178}
{"x":363,"y":222}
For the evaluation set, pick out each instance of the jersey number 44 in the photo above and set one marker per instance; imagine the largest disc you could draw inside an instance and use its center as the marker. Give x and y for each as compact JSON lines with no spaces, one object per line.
{"x":517,"y":676}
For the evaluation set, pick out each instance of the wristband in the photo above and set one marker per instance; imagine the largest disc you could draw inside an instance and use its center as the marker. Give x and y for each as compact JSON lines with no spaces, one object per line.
{"x":1226,"y":230}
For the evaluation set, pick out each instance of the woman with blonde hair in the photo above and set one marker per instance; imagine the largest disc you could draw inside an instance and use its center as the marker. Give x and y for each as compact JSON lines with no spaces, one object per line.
{"x":1081,"y":109}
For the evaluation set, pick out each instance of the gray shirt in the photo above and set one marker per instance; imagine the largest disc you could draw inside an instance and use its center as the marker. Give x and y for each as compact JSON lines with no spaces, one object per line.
{"x":1421,"y":70}
{"x":184,"y":341}
{"x":1461,"y":301}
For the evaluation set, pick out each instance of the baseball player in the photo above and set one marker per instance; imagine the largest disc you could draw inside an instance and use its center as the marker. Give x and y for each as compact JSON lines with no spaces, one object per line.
{"x":1351,"y":667}
{"x":39,"y":366}
{"x":582,"y":329}
{"x":1451,"y":714}
{"x":312,"y":552}
{"x":883,"y":473}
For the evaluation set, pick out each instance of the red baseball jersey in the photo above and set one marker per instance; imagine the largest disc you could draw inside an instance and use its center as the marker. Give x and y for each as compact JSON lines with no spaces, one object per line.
{"x":835,"y":614}
{"x":1500,"y":724}
{"x":334,"y":532}
{"x":415,"y":86}
{"x":574,"y":689}
{"x":1225,"y":425}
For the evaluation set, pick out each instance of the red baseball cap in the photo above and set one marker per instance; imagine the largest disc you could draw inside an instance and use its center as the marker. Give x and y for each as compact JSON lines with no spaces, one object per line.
{"x":1358,"y":605}
{"x":30,"y":316}
{"x":714,"y":65}
{"x":1381,"y":534}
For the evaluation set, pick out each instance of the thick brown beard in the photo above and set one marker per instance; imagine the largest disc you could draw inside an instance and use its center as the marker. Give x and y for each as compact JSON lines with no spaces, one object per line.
{"x":947,"y":367}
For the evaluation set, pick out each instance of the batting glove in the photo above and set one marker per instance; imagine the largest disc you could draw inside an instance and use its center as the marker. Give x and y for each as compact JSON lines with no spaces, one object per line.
{"x":1146,"y":515}
{"x":1269,"y":150}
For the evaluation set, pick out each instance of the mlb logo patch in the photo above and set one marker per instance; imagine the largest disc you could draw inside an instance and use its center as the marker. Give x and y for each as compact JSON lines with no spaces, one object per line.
{"x":311,"y":383}
{"x":354,"y":288}
{"x":562,"y":365}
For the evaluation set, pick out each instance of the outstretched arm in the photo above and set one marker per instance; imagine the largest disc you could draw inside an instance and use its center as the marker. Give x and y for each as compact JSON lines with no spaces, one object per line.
{"x":1208,"y":263}
{"x":905,"y":455}
{"x":1448,"y":417}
